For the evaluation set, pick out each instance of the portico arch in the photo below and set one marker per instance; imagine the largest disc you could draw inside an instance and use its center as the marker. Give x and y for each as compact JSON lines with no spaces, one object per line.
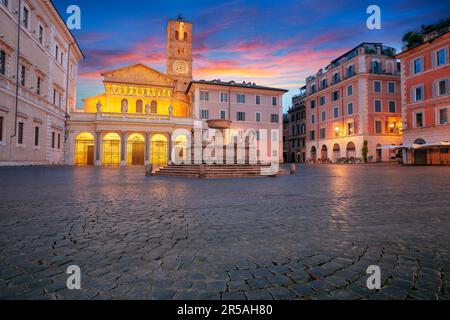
{"x":324,"y":153}
{"x":336,"y":152}
{"x":351,"y":150}
{"x":84,"y":149}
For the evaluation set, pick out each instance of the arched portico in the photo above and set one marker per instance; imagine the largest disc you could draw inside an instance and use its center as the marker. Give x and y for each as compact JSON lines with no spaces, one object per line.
{"x":136,"y":149}
{"x":111,"y":149}
{"x":84,"y":149}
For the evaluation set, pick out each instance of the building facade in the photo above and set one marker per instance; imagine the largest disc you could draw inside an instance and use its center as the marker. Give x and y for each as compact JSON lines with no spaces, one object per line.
{"x":353,"y":107}
{"x":296,"y":140}
{"x":38,"y":75}
{"x":426,"y":98}
{"x":148,"y":117}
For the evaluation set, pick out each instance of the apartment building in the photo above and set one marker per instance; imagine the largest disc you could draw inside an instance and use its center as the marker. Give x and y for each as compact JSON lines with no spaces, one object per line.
{"x":353,"y":107}
{"x":426,"y":96}
{"x":38,"y":73}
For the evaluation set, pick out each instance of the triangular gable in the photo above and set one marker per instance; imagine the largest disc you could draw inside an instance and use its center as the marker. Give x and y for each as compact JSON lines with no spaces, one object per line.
{"x":138,"y":74}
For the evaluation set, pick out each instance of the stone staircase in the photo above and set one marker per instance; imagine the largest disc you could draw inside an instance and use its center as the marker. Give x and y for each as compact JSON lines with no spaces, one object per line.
{"x":214,"y":171}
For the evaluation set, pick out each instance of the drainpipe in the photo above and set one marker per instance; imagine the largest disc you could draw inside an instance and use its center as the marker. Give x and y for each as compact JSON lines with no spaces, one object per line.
{"x":17,"y":68}
{"x":67,"y":116}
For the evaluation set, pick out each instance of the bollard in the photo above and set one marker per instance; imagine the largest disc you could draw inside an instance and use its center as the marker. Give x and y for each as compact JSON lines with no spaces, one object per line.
{"x":293,"y":168}
{"x":201,"y":171}
{"x":149,"y":170}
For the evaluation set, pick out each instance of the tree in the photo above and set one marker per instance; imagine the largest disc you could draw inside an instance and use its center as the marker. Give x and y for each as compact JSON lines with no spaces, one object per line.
{"x":365,"y":151}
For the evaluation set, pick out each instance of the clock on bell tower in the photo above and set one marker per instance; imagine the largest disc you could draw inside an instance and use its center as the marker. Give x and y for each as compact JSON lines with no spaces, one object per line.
{"x":179,"y":52}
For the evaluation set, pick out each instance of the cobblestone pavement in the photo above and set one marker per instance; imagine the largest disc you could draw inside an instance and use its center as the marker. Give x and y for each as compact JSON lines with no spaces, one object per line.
{"x":309,"y":236}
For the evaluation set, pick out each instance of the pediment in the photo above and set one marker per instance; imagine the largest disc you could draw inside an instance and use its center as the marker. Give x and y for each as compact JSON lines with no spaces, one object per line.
{"x":138,"y":74}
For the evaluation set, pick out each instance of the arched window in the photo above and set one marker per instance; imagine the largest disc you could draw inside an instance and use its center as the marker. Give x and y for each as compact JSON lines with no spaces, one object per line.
{"x":139,"y":108}
{"x":177,"y":35}
{"x":185,"y":36}
{"x":154,"y":107}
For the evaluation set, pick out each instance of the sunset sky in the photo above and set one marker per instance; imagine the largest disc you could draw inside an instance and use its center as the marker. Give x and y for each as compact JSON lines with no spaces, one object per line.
{"x":274,"y":43}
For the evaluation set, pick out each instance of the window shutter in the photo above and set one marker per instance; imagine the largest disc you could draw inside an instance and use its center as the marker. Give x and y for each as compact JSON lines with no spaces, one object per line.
{"x":424,"y":96}
{"x":411,"y":97}
{"x":446,"y":55}
{"x":447,"y":87}
{"x":411,"y":67}
{"x":434,"y":59}
{"x":435,"y":85}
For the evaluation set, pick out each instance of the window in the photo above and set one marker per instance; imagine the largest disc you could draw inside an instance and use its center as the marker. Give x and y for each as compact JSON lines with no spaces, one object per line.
{"x":441,"y":57}
{"x":274,"y":101}
{"x":391,"y":87}
{"x":41,"y":35}
{"x":418,"y":93}
{"x":377,"y":105}
{"x":351,"y":128}
{"x":336,"y":112}
{"x":378,"y":126}
{"x":377,"y":86}
{"x":36,"y":136}
{"x":350,"y":108}
{"x":376,"y":66}
{"x":20,"y":133}
{"x":258,"y":99}
{"x":275,"y":118}
{"x":313,"y":104}
{"x":442,"y":87}
{"x":313,"y":88}
{"x":419,"y":120}
{"x":205,"y":114}
{"x":38,"y":86}
{"x":1,"y":128}
{"x":26,"y":17}
{"x":154,"y":107}
{"x":3,"y":62}
{"x":4,"y":2}
{"x":350,"y":90}
{"x":313,"y":119}
{"x":335,"y":95}
{"x":392,"y":107}
{"x":443,"y":116}
{"x":22,"y":75}
{"x":312,"y":135}
{"x":258,"y":117}
{"x":53,"y":140}
{"x":223,"y":115}
{"x":204,"y":96}
{"x":62,"y":57}
{"x":240,"y":116}
{"x":324,"y":116}
{"x":59,"y":141}
{"x":223,"y":97}
{"x":350,"y":71}
{"x":240,"y":97}
{"x":418,"y":65}
{"x":324,"y":83}
{"x":56,"y":52}
{"x":139,"y":106}
{"x":322,"y":133}
{"x":322,"y":100}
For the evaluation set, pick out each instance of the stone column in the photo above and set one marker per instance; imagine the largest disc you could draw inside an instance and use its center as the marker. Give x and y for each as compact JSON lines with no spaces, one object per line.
{"x":98,"y":148}
{"x":123,"y":149}
{"x":147,"y":148}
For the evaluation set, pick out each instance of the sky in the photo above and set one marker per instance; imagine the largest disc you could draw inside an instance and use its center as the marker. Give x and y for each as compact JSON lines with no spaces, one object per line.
{"x":273,"y":43}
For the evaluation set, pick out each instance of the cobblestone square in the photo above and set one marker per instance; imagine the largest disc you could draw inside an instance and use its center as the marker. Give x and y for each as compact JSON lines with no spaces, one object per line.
{"x":308,"y":236}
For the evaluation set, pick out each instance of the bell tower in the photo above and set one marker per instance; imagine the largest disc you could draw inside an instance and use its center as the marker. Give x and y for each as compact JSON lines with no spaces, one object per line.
{"x":179,"y":52}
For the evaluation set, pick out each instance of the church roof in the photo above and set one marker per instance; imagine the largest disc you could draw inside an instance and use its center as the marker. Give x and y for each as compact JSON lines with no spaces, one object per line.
{"x":138,"y":73}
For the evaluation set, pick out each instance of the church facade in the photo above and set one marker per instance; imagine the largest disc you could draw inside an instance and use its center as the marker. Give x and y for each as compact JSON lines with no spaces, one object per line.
{"x":148,"y":117}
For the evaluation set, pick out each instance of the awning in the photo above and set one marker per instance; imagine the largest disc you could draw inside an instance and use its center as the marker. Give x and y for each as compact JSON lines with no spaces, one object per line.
{"x":409,"y":146}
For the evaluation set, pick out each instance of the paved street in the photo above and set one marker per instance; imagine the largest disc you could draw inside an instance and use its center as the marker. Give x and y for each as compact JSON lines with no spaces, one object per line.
{"x":309,"y":236}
